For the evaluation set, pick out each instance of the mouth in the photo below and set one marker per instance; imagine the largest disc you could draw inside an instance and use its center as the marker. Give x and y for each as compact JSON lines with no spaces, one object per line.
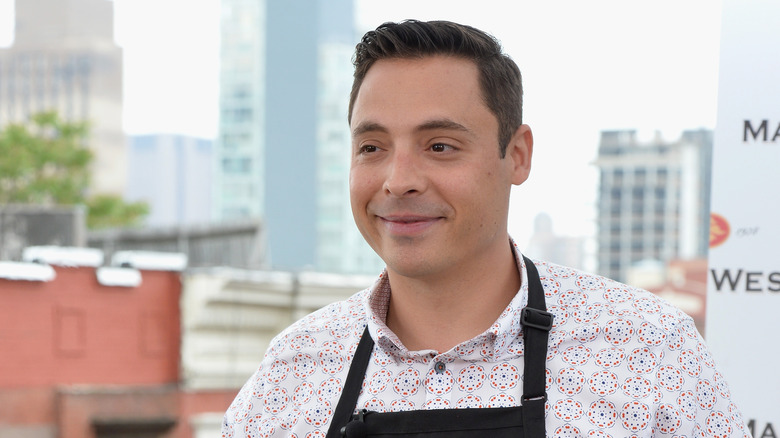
{"x":408,"y":225}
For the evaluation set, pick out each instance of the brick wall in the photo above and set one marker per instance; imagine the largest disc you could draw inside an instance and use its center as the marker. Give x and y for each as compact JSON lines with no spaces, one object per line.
{"x":76,"y":352}
{"x":164,"y":358}
{"x":72,"y":330}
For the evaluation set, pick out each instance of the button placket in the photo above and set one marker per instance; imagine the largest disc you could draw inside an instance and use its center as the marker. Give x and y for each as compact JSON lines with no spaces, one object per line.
{"x":439,"y":384}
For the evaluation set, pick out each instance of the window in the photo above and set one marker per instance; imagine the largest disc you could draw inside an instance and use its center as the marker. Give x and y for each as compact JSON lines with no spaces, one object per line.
{"x":237,"y":165}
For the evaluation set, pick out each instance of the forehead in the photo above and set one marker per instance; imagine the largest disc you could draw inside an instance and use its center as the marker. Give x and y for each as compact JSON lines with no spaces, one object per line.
{"x":429,"y":87}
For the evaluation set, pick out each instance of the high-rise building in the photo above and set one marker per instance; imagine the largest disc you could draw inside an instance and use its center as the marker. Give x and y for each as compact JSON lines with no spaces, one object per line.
{"x":283,"y":147}
{"x":172,"y":173}
{"x":64,"y":58}
{"x":653,"y":201}
{"x":239,"y":174}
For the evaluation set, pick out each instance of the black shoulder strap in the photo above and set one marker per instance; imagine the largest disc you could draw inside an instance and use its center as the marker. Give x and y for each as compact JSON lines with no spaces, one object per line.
{"x":351,"y":390}
{"x":537,"y":323}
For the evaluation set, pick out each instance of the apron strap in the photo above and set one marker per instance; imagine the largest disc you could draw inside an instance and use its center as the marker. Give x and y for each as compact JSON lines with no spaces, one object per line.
{"x":537,"y":323}
{"x":351,"y":391}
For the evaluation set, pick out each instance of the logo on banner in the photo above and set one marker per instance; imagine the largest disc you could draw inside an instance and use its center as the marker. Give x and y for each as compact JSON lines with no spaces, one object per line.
{"x":719,"y":230}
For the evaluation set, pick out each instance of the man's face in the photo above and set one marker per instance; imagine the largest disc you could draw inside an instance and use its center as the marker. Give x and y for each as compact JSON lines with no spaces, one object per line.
{"x":428,"y":188}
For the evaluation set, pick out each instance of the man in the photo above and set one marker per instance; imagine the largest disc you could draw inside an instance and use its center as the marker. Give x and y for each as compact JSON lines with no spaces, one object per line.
{"x":452,"y":339}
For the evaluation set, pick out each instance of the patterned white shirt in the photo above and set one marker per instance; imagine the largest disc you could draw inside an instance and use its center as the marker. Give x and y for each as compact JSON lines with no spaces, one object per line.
{"x":620,"y":362}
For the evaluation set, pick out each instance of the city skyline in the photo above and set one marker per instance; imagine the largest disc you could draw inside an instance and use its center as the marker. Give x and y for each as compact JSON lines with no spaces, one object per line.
{"x":587,"y":68}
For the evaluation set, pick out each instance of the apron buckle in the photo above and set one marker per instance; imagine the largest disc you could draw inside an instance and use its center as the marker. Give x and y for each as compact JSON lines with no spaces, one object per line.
{"x":357,"y":427}
{"x":540,"y":319}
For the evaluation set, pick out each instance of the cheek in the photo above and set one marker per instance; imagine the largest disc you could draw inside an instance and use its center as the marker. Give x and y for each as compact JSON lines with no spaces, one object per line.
{"x":486,"y":198}
{"x":356,"y":180}
{"x":363,"y":178}
{"x":361,"y":188}
{"x":355,"y":202}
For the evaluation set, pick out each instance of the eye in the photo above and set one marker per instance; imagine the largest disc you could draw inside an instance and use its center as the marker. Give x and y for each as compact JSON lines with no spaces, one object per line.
{"x":441,"y":147}
{"x":367,"y":149}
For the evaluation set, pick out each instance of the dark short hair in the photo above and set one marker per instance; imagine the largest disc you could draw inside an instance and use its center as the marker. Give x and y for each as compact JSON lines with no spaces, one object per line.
{"x":499,"y":76}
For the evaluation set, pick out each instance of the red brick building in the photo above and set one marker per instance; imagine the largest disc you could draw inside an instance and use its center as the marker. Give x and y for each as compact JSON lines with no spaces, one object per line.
{"x":82,"y":358}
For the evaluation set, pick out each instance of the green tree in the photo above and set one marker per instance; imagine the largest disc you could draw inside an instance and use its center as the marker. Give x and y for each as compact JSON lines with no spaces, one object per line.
{"x":107,"y":211}
{"x":45,"y":161}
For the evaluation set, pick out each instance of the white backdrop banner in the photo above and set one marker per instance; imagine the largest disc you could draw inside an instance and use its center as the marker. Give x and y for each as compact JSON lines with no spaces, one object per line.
{"x":743,"y":288}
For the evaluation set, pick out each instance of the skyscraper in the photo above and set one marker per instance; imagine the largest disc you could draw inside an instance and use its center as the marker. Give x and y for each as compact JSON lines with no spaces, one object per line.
{"x":283,"y":147}
{"x":172,"y":173}
{"x":240,"y":148}
{"x":64,"y":58}
{"x":653,"y":201}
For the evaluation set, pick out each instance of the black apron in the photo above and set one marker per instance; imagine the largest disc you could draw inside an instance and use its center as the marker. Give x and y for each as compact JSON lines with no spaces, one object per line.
{"x":519,"y":421}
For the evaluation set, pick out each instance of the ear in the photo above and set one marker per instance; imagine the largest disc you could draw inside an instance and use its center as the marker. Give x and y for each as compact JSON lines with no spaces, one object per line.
{"x":519,"y":150}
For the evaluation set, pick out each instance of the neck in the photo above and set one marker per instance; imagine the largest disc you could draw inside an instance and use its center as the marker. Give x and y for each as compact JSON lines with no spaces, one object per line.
{"x":440,"y":313}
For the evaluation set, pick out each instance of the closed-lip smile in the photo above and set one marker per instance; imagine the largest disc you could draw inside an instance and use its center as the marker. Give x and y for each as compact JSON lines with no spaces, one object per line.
{"x":407,"y":224}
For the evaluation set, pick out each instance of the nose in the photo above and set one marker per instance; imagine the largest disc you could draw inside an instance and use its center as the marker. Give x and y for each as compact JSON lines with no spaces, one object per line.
{"x":405,"y":176}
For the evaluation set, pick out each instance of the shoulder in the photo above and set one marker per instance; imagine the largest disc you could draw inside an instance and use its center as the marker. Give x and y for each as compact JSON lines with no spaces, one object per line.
{"x":588,"y":306}
{"x":585,"y":296}
{"x":341,"y":320}
{"x":621,"y":329}
{"x":632,"y":349}
{"x":304,"y":362}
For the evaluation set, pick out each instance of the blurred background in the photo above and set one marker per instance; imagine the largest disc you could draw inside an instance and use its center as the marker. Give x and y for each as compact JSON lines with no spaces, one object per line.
{"x":173,"y":182}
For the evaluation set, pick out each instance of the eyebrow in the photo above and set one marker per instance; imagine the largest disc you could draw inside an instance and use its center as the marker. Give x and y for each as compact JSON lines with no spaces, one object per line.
{"x":442,"y":124}
{"x":368,"y":126}
{"x":430,"y":125}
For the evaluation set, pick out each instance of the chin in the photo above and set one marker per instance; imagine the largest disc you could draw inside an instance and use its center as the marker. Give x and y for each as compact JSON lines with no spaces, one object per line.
{"x":410,"y":267}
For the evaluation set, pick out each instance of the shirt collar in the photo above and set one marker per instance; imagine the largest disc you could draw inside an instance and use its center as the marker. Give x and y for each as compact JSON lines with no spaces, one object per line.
{"x":494,"y":343}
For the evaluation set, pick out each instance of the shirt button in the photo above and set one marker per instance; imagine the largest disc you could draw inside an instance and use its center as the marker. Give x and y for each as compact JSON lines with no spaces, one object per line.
{"x":440,"y":367}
